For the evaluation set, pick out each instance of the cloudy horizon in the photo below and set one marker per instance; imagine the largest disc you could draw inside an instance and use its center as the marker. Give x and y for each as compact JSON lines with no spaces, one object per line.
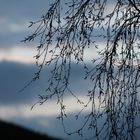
{"x":17,"y":68}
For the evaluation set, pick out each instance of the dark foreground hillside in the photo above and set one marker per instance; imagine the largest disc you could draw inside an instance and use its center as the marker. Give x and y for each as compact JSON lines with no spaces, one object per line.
{"x":14,"y":132}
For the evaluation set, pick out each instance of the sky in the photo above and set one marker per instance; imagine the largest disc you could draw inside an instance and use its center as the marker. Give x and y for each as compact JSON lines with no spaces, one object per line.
{"x":17,"y":68}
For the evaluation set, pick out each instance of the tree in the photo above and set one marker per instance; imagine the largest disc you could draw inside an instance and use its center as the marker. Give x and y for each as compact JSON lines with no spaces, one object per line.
{"x":65,"y":32}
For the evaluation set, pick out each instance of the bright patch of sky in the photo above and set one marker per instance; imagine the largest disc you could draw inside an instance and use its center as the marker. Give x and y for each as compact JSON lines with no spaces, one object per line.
{"x":18,"y":54}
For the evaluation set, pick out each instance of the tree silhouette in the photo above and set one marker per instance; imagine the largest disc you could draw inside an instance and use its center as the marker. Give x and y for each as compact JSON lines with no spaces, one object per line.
{"x":64,"y":34}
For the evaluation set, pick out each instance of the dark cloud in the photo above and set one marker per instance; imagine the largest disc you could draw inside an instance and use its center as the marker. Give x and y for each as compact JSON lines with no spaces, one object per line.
{"x":10,"y":40}
{"x":19,"y":10}
{"x":18,"y":13}
{"x":13,"y":76}
{"x":21,"y":13}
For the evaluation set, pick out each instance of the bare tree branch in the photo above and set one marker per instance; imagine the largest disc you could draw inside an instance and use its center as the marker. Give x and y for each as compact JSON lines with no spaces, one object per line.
{"x":65,"y":32}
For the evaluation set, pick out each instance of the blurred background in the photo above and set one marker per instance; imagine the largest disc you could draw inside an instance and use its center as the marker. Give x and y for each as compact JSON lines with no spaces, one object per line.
{"x":17,"y":68}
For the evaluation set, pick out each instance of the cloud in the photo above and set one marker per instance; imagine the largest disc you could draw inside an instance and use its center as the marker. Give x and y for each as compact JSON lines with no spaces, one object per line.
{"x":12,"y":77}
{"x":53,"y":126}
{"x":12,"y":32}
{"x":50,"y":108}
{"x":42,"y":118}
{"x":12,"y":26}
{"x":46,"y":124}
{"x":14,"y":19}
{"x":22,"y":9}
{"x":16,"y":107}
{"x":15,"y":75}
{"x":17,"y":68}
{"x":20,"y":54}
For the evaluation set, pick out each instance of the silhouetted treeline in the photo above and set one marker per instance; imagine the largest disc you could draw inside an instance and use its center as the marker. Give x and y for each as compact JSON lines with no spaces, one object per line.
{"x":11,"y":131}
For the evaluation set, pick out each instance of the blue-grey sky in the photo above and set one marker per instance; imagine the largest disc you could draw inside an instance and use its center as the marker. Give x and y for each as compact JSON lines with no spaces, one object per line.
{"x":17,"y":67}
